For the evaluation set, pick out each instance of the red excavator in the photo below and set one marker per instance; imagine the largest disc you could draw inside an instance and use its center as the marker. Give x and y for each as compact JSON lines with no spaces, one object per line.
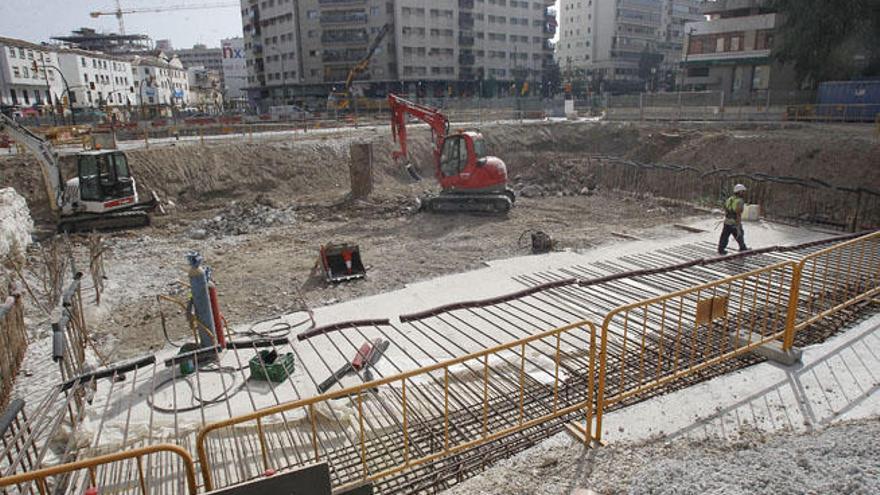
{"x":470,"y":179}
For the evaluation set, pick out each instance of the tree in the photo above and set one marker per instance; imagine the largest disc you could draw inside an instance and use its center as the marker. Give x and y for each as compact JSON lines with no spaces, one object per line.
{"x":826,"y":40}
{"x":551,"y":79}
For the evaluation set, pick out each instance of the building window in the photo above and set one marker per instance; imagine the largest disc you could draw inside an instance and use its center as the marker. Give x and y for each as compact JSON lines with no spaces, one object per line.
{"x":761,"y":77}
{"x":12,"y":52}
{"x":15,"y":72}
{"x":14,"y":96}
{"x":763,"y":40}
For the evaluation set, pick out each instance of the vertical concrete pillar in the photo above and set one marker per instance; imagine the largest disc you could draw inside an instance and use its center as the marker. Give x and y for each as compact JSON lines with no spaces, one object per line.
{"x":361,"y":168}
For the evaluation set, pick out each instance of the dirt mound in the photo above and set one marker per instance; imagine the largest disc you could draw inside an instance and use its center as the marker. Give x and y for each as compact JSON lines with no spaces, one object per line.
{"x":314,"y":167}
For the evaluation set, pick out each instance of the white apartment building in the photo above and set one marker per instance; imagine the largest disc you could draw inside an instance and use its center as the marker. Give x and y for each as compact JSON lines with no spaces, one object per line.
{"x":307,"y":47}
{"x":20,"y":85}
{"x":159,"y":83}
{"x":97,"y":80}
{"x":234,"y":70}
{"x":606,"y":39}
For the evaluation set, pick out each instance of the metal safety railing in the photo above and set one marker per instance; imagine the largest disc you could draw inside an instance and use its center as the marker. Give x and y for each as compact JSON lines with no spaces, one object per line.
{"x":833,"y":279}
{"x":413,"y":418}
{"x":418,"y":419}
{"x":139,"y":472}
{"x":649,"y":343}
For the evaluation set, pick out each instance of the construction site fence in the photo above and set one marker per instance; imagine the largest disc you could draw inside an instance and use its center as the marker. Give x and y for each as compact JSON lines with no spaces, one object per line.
{"x":417,"y":417}
{"x":142,"y":466}
{"x":769,"y":106}
{"x":13,"y":340}
{"x":797,"y":199}
{"x":437,"y":412}
{"x":833,"y":279}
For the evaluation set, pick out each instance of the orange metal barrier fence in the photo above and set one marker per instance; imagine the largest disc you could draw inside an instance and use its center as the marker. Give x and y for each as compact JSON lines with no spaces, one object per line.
{"x":647,"y":344}
{"x":833,"y":279}
{"x":137,"y":479}
{"x":412,"y":418}
{"x":381,"y":428}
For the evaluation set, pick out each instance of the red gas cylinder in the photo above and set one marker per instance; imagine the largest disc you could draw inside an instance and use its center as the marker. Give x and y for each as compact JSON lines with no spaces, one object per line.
{"x":215,"y":311}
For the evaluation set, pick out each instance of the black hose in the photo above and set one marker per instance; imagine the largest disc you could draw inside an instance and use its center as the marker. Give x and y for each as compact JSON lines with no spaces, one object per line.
{"x":198,"y":402}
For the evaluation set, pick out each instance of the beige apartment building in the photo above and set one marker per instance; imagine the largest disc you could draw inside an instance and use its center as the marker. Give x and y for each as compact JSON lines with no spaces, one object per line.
{"x":434,"y":47}
{"x":732,"y":50}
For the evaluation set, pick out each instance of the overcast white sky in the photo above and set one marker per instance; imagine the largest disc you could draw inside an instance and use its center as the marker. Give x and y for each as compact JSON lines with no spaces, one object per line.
{"x":39,"y":20}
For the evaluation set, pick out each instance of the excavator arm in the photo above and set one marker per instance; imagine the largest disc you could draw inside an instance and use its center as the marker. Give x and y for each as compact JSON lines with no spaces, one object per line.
{"x":438,"y":122}
{"x":365,"y":62}
{"x":45,"y":155}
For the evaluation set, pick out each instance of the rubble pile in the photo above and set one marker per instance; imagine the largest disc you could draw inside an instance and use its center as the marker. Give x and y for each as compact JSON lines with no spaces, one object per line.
{"x":564,"y":177}
{"x":241,"y":217}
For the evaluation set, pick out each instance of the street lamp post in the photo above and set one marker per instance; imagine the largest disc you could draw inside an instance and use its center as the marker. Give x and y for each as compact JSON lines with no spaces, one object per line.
{"x":66,"y":88}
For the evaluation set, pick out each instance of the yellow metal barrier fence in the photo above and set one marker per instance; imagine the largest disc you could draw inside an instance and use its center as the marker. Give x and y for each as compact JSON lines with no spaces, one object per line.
{"x":123,"y":484}
{"x":383,"y":427}
{"x":833,"y":279}
{"x":649,"y":343}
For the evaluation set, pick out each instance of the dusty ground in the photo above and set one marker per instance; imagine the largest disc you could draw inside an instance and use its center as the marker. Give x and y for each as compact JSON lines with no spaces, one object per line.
{"x":843,"y":458}
{"x":260,"y":274}
{"x":260,"y":210}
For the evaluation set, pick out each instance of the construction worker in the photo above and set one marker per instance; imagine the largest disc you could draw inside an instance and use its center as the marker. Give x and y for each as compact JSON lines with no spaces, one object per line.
{"x":733,"y":209}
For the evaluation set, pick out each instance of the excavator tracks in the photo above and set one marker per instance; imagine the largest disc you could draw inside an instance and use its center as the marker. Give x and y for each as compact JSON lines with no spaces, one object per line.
{"x":500,"y":203}
{"x":109,"y":221}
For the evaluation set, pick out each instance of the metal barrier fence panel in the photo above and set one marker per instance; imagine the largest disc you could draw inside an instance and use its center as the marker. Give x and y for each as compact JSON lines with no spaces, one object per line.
{"x":133,"y":471}
{"x":411,"y":419}
{"x":833,"y":279}
{"x":647,"y":344}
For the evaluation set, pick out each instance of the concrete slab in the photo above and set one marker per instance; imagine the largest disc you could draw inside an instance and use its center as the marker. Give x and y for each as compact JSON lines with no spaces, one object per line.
{"x":837,"y":380}
{"x":496,"y":278}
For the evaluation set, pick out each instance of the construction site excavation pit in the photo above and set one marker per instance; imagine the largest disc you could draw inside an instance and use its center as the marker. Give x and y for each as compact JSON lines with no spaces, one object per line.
{"x":614,"y":198}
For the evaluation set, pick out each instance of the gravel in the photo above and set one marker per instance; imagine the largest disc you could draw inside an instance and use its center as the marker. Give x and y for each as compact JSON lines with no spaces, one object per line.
{"x":843,"y":458}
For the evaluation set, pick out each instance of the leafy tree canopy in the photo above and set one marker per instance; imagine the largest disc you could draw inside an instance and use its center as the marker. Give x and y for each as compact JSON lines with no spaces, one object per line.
{"x":829,"y":39}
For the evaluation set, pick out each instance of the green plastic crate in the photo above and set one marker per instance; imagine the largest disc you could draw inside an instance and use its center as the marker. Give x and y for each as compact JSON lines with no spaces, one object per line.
{"x":277,"y":372}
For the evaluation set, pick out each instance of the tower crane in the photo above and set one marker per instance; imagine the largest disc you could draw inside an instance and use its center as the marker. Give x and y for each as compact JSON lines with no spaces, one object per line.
{"x":119,"y":11}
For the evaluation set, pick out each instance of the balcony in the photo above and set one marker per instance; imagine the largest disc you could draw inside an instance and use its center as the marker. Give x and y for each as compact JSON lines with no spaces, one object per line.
{"x":465,"y":39}
{"x":328,"y":18}
{"x":342,"y":56}
{"x":466,"y":57}
{"x":465,"y":20}
{"x":345,"y":37}
{"x":466,"y":4}
{"x":721,"y":6}
{"x":548,"y":45}
{"x":342,"y":2}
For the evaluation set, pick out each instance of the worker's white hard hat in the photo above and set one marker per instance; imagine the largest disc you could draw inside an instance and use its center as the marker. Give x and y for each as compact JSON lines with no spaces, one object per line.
{"x":739,"y":188}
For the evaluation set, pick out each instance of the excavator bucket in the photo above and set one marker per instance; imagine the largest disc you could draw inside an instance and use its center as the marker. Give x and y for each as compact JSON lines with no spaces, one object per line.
{"x":342,"y":262}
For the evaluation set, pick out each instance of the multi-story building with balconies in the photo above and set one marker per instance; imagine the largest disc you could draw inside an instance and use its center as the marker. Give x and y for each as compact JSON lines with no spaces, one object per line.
{"x":731,"y":51}
{"x":22,"y":86}
{"x":307,"y":47}
{"x":608,"y":39}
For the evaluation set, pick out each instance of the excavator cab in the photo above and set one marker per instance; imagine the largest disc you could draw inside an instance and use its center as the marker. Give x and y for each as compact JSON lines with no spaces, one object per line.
{"x":105,"y":182}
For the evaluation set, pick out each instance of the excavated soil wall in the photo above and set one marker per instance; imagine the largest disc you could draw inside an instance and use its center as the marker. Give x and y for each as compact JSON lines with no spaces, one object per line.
{"x":788,"y":169}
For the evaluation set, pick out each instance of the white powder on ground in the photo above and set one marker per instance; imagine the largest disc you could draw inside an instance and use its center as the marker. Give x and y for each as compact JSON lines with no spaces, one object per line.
{"x":15,"y":224}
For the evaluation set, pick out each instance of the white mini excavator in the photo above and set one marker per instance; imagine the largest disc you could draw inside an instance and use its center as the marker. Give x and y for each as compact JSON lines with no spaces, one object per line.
{"x":102,"y":196}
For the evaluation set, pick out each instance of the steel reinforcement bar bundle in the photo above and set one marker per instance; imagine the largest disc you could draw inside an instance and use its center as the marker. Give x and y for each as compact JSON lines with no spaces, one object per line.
{"x":500,"y":381}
